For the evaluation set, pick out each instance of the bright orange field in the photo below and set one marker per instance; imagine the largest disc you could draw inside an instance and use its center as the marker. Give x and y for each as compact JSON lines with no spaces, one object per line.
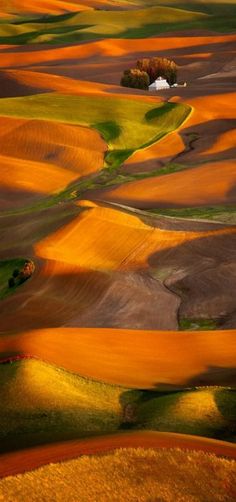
{"x":130,"y":241}
{"x":53,"y":6}
{"x":43,"y":157}
{"x":140,"y":359}
{"x":207,"y":184}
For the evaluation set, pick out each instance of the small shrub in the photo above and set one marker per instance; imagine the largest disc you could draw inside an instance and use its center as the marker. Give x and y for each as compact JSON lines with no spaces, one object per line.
{"x":26,"y":271}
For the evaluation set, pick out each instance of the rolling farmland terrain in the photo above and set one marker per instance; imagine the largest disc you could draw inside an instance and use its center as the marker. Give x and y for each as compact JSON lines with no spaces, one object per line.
{"x":117,"y":253}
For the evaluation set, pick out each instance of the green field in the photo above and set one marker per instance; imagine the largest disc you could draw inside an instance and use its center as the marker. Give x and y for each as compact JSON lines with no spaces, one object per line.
{"x":40,"y":403}
{"x":124,"y":123}
{"x":144,"y":22}
{"x":95,"y":23}
{"x":186,"y":324}
{"x":222,"y":213}
{"x":208,"y":6}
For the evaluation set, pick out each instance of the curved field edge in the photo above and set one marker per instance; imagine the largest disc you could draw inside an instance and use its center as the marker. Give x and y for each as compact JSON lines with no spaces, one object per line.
{"x":221,"y":213}
{"x":124,"y":135}
{"x":210,"y":361}
{"x":41,"y":403}
{"x":124,"y":123}
{"x":97,"y":24}
{"x":196,"y":474}
{"x":28,"y":459}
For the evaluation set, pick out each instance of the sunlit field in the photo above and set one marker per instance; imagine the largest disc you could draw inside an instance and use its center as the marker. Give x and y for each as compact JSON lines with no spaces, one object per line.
{"x":117,"y":251}
{"x":133,"y":474}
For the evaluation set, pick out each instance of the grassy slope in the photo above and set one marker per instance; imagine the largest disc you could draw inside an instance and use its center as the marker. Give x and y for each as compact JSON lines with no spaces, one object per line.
{"x":146,"y":20}
{"x":6,"y":269}
{"x":197,"y":324}
{"x":97,"y":23}
{"x":47,"y":403}
{"x":124,"y":121}
{"x":207,"y":412}
{"x":40,"y":402}
{"x":128,"y":474}
{"x":207,"y":6}
{"x":226,"y":214}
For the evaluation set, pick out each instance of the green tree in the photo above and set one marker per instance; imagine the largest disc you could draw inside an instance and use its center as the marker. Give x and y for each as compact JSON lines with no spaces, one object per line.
{"x":135,"y":78}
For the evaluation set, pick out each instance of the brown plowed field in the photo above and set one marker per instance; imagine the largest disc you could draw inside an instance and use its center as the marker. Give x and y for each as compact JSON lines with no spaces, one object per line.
{"x":102,"y":272}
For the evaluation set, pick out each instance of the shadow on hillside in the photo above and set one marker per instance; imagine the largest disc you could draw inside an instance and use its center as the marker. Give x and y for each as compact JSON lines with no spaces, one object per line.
{"x":13,"y":198}
{"x":200,"y":138}
{"x":12,"y":88}
{"x":155,"y":408}
{"x":203,"y":274}
{"x":19,"y":232}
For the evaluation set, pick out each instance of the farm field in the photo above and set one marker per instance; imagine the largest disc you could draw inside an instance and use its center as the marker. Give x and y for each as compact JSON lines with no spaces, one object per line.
{"x":105,"y":474}
{"x":117,"y":253}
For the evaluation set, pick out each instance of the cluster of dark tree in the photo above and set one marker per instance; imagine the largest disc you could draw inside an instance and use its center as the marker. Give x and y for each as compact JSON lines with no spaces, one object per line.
{"x":147,"y":71}
{"x":135,"y":78}
{"x":21,"y":275}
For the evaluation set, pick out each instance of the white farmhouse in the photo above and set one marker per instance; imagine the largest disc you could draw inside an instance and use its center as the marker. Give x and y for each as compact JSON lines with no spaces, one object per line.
{"x":159,"y":84}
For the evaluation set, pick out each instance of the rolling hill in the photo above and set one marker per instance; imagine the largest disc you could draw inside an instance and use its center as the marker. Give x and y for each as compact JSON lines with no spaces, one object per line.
{"x":117,"y":356}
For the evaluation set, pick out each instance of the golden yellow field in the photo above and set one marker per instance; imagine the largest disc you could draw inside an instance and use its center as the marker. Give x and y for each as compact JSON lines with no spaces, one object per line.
{"x":131,"y":473}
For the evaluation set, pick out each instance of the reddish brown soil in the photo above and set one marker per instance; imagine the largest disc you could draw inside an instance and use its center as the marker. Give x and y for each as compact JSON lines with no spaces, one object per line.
{"x":26,"y":460}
